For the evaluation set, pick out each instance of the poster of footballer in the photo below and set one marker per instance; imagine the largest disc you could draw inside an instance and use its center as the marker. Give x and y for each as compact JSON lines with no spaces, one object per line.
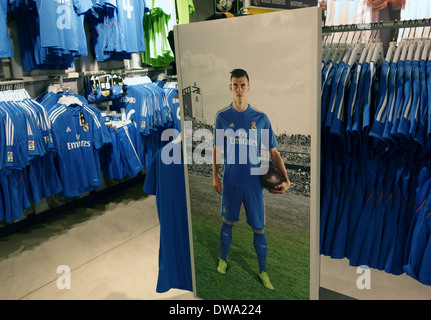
{"x":250,"y":99}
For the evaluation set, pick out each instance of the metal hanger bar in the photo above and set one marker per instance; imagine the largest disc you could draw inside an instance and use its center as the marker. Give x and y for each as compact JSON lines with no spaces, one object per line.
{"x":378,"y":25}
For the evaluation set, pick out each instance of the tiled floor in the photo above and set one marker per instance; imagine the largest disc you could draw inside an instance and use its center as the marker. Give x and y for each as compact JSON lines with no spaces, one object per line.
{"x":110,"y":246}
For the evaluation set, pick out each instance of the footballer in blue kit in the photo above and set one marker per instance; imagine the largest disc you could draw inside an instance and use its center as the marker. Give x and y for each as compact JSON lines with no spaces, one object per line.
{"x":242,"y":132}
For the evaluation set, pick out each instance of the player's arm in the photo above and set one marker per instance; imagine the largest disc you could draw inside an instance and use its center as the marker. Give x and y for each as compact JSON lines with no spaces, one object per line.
{"x":278,"y":162}
{"x":216,"y":165}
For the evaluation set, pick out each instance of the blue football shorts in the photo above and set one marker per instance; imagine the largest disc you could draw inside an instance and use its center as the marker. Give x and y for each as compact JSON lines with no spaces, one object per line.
{"x":252,"y":198}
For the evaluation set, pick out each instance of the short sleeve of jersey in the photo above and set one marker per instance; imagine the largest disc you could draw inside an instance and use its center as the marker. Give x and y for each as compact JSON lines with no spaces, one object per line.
{"x":99,"y":138}
{"x":218,"y":132}
{"x":271,"y":136}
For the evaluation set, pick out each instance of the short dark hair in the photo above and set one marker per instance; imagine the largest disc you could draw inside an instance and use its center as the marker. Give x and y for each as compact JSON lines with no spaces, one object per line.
{"x":239,"y":73}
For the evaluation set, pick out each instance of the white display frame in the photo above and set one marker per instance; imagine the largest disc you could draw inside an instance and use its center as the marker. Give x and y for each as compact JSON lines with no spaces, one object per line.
{"x":287,"y":30}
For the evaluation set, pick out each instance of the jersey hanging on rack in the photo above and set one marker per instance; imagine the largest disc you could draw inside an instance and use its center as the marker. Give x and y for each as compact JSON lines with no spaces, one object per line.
{"x":5,"y":44}
{"x":78,"y":135}
{"x":147,"y":105}
{"x":27,"y":167}
{"x":51,"y":33}
{"x":174,"y":105}
{"x":376,"y":180}
{"x":158,"y":52}
{"x":185,"y":9}
{"x":118,"y":30}
{"x":167,"y":183}
{"x":125,"y":156}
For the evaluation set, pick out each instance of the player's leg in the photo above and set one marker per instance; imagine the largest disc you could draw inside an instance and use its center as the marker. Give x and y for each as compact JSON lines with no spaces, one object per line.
{"x":255,"y":211}
{"x":231,"y":204}
{"x":225,"y":241}
{"x":260,"y":246}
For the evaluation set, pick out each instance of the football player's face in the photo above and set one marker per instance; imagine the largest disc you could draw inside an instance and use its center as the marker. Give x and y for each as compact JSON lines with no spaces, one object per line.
{"x":239,"y":88}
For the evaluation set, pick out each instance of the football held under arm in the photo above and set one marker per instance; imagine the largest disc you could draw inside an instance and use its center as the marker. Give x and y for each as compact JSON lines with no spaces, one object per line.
{"x":278,"y":162}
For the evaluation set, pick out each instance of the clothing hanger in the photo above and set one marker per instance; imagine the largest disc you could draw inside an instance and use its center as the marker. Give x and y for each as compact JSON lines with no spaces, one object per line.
{"x":356,"y":52}
{"x":412,"y":47}
{"x":400,"y":48}
{"x":371,"y":45}
{"x":418,"y":52}
{"x":348,"y":50}
{"x":338,"y":51}
{"x":116,"y":124}
{"x":426,"y":49}
{"x":330,"y":47}
{"x":406,"y":47}
{"x":69,"y":100}
{"x":377,"y":55}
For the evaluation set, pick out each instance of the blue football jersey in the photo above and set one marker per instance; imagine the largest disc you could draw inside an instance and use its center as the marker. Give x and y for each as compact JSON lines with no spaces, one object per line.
{"x":392,"y":85}
{"x":422,"y":111}
{"x":60,"y":24}
{"x":242,"y":135}
{"x":130,"y":17}
{"x":167,"y":183}
{"x":174,"y":106}
{"x":5,"y":44}
{"x":77,"y":135}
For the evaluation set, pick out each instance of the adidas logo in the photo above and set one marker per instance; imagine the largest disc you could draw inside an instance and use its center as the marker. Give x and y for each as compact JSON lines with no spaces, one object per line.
{"x":232,"y":125}
{"x":68,"y":129}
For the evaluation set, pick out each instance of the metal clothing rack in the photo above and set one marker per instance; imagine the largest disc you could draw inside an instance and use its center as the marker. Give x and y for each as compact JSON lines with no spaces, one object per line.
{"x":378,"y":26}
{"x":11,"y":84}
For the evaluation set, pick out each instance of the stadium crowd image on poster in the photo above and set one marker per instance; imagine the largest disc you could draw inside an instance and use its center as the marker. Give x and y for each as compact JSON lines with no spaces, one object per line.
{"x":250,"y":107}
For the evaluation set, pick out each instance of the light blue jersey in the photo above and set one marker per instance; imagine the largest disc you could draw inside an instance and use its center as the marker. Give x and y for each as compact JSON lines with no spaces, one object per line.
{"x":167,"y":183}
{"x":5,"y":44}
{"x":241,"y":134}
{"x":77,"y":143}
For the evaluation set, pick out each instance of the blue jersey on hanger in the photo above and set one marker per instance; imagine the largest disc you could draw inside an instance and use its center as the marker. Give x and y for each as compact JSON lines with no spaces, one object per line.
{"x":422,"y":112}
{"x":61,"y":26}
{"x":174,"y":106}
{"x":130,"y":18}
{"x":391,"y":96}
{"x":77,"y":143}
{"x":167,"y":183}
{"x":5,"y":44}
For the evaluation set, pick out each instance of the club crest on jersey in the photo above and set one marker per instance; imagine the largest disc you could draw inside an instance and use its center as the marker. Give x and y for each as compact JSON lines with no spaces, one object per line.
{"x":85,"y":127}
{"x":253,"y":125}
{"x":143,"y":124}
{"x":9,"y":156}
{"x":31,"y":145}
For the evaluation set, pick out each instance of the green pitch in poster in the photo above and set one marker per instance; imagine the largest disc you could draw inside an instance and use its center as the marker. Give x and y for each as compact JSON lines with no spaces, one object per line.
{"x":250,"y":101}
